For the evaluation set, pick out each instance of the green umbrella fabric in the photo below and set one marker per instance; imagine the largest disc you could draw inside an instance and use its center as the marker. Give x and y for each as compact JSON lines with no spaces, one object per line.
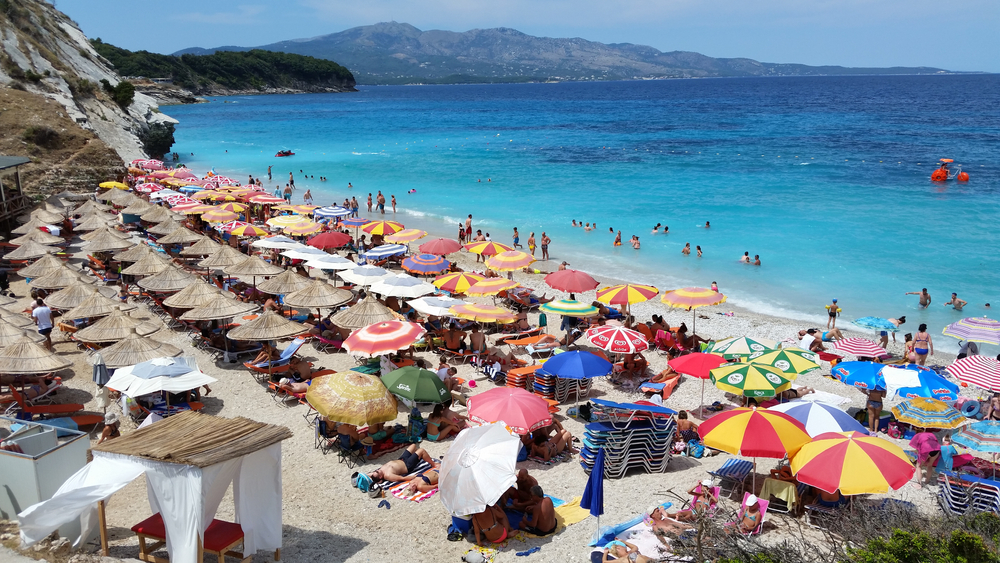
{"x":415,"y":384}
{"x":741,"y":347}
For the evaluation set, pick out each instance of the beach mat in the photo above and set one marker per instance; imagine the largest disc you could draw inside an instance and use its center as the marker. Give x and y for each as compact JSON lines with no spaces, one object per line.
{"x":567,"y":514}
{"x":399,"y":491}
{"x":489,"y":553}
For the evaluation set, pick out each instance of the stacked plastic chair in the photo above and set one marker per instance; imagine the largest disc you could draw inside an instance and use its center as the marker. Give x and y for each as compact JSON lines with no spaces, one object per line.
{"x":561,"y":389}
{"x":954,"y":494}
{"x":633,"y":436}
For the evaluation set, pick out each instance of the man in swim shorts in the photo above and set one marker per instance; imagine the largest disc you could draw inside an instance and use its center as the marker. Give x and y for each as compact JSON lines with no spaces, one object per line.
{"x":545,"y":245}
{"x":517,"y":239}
{"x":925,"y":298}
{"x":400,"y":469}
{"x":956,"y":302}
{"x":540,"y":516}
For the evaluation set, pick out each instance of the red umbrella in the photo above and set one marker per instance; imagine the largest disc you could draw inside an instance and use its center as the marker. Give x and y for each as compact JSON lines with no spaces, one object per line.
{"x":332,"y":239}
{"x":571,"y":281}
{"x":697,"y":365}
{"x":383,"y":338}
{"x":522,"y":411}
{"x":980,"y":371}
{"x":440,"y":246}
{"x":860,"y":347}
{"x":617,"y":339}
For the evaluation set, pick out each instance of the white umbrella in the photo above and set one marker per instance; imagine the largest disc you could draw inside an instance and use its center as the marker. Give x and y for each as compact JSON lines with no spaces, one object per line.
{"x":364,"y":275}
{"x":330,"y":262}
{"x":305,"y":253}
{"x":173,"y":375}
{"x":435,"y":306}
{"x":478,"y":469}
{"x":279,"y":241}
{"x":403,"y":285}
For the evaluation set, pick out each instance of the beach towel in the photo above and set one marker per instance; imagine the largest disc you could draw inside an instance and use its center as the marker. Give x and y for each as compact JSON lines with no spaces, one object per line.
{"x":567,"y":514}
{"x":558,"y":458}
{"x":489,"y":553}
{"x":646,"y":542}
{"x":825,"y":398}
{"x":399,"y":491}
{"x":420,"y":468}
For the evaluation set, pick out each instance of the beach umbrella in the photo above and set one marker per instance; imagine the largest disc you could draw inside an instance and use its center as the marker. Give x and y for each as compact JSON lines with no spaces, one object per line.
{"x":34,"y":224}
{"x":402,"y":285}
{"x":364,"y":275}
{"x":928,"y":413}
{"x":478,"y":469}
{"x":491,"y":286}
{"x":741,"y":347}
{"x":113,"y":185}
{"x":148,"y":265}
{"x":276,"y":241}
{"x":104,"y":233}
{"x":457,"y":282}
{"x":10,"y":334}
{"x":91,"y":223}
{"x":876,"y":323}
{"x":172,"y":375}
{"x":912,"y":381}
{"x":510,"y":261}
{"x":137,"y":208}
{"x":382,"y":228}
{"x":107,"y":243}
{"x":791,"y":360}
{"x":860,"y":347}
{"x":863,"y":375}
{"x":41,"y":237}
{"x":982,"y":436}
{"x":248,"y":231}
{"x":44,"y":265}
{"x":354,"y":221}
{"x":253,"y":266}
{"x":331,"y":239}
{"x":29,"y":250}
{"x":330,"y":262}
{"x":435,"y":306}
{"x":981,"y":371}
{"x":219,"y":216}
{"x":819,"y":418}
{"x":366,"y":312}
{"x":27,"y":357}
{"x":91,"y":205}
{"x":577,"y":364}
{"x":77,"y":294}
{"x":218,"y":307}
{"x":169,"y":280}
{"x":224,"y":257}
{"x":317,"y":294}
{"x":285,"y":282}
{"x":193,"y":209}
{"x":593,"y":493}
{"x":165,"y":228}
{"x":115,"y":327}
{"x":204,"y":247}
{"x":482,"y":313}
{"x":224,"y":196}
{"x":352,"y":397}
{"x":691,"y":298}
{"x":440,"y":246}
{"x":571,"y":281}
{"x":975,"y":329}
{"x":194,"y":295}
{"x":181,"y":236}
{"x":135,"y":349}
{"x":59,"y":279}
{"x":417,"y":385}
{"x":16,"y":319}
{"x":425,"y":264}
{"x":521,"y":411}
{"x":697,"y":364}
{"x":383,"y":338}
{"x":626,"y":294}
{"x":302,"y":228}
{"x":569,"y":308}
{"x":284,"y":220}
{"x":268,"y":326}
{"x":134,"y":254}
{"x":94,"y":306}
{"x":617,"y":339}
{"x":487,"y":248}
{"x":385,"y":251}
{"x":157,"y":214}
{"x":330,"y":211}
{"x":852,"y":462}
{"x":44,"y":215}
{"x":406,"y":236}
{"x":264,"y":199}
{"x":751,"y":380}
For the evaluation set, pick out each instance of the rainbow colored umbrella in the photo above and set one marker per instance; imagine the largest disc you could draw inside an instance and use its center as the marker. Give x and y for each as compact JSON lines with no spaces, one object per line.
{"x":510,"y":261}
{"x":751,"y":380}
{"x":382,"y":227}
{"x":406,"y":236}
{"x":491,"y":286}
{"x":569,"y":308}
{"x":440,"y":246}
{"x":741,"y":347}
{"x":425,"y":264}
{"x":975,"y":329}
{"x":790,"y":360}
{"x":487,"y":248}
{"x":928,"y":413}
{"x":383,"y":338}
{"x":691,"y":298}
{"x":482,"y":313}
{"x":852,"y":462}
{"x":981,"y":371}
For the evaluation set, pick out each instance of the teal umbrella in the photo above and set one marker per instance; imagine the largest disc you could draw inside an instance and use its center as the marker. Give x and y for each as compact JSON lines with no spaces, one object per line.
{"x":417,"y":385}
{"x":569,"y":308}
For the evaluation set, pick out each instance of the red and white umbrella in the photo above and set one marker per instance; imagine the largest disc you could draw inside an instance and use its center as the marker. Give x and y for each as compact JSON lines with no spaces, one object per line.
{"x":617,"y":339}
{"x":228,"y":227}
{"x":149,"y":188}
{"x":981,"y":371}
{"x":223,"y":180}
{"x":383,"y":338}
{"x":179,"y":200}
{"x":860,"y":347}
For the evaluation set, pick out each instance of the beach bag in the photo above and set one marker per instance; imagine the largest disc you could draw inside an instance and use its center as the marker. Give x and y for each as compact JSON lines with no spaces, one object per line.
{"x":695,"y":449}
{"x":542,"y":320}
{"x":895,"y":431}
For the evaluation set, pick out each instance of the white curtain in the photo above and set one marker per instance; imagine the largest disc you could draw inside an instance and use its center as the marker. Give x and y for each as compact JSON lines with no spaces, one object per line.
{"x":257,"y":496}
{"x":175,"y":492}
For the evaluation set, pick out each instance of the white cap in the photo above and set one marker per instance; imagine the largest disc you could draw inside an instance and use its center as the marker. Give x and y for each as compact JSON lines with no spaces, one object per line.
{"x":751,"y":499}
{"x":708,"y":483}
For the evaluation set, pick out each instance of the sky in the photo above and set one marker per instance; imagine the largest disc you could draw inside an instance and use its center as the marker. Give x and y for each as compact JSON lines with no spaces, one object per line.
{"x":961,"y":35}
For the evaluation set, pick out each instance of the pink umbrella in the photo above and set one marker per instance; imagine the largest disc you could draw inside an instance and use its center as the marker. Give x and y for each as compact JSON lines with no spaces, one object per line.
{"x":571,"y":281}
{"x":617,"y":339}
{"x":980,"y":371}
{"x":523,"y":412}
{"x":383,"y":338}
{"x":860,"y":347}
{"x":440,"y":246}
{"x":698,"y":365}
{"x":224,"y":181}
{"x":149,"y":188}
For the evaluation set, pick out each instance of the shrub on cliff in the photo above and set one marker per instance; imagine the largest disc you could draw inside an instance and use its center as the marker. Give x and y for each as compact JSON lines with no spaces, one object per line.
{"x":158,"y":139}
{"x":41,"y":136}
{"x":123,"y":93}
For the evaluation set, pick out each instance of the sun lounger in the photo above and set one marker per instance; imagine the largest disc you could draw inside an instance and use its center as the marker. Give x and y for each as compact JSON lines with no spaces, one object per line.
{"x":763,"y":504}
{"x":734,"y":472}
{"x":24,"y":405}
{"x":281,"y":364}
{"x":322,"y":344}
{"x":461,"y":356}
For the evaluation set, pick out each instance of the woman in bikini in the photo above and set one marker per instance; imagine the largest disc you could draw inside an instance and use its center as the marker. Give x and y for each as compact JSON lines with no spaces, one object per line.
{"x":424,"y":483}
{"x":623,"y":552}
{"x":438,"y":425}
{"x":704,"y":498}
{"x":492,"y":524}
{"x":993,"y":407}
{"x":546,"y":449}
{"x":686,"y":428}
{"x":749,"y":516}
{"x":874,"y":406}
{"x":922,"y":344}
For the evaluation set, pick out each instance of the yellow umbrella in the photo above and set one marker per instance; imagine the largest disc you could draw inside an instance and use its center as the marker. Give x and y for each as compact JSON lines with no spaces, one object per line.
{"x":302,"y":209}
{"x":491,"y":286}
{"x":510,"y":261}
{"x":114,"y":185}
{"x":203,"y":194}
{"x":405,"y":236}
{"x":196,"y":210}
{"x":284,"y":220}
{"x":234,"y":207}
{"x":382,"y":227}
{"x":482,"y":313}
{"x":852,"y":462}
{"x":691,"y":298}
{"x":456,"y":282}
{"x":350,"y":397}
{"x":303,"y":228}
{"x":219,"y":196}
{"x":219,"y":216}
{"x":249,"y":231}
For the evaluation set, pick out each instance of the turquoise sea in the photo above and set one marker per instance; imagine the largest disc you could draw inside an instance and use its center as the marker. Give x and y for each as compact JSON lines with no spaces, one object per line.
{"x":826,"y":178}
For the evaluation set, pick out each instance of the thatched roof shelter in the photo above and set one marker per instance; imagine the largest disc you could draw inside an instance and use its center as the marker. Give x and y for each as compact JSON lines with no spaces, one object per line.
{"x":366,"y":312}
{"x":135,"y":349}
{"x":25,"y":356}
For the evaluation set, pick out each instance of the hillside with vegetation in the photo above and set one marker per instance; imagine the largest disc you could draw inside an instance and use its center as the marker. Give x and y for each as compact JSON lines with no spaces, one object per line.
{"x":227,"y":72}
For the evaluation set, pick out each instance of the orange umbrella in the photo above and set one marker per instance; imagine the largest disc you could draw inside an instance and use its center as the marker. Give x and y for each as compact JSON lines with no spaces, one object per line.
{"x":691,"y":298}
{"x":234,"y":207}
{"x":510,"y":261}
{"x":487,"y":248}
{"x":482,"y":313}
{"x":219,"y":216}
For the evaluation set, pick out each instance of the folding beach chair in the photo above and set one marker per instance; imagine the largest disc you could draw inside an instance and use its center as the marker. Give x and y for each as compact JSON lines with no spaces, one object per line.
{"x":763,"y":504}
{"x":281,"y":364}
{"x":23,"y":404}
{"x":732,"y":473}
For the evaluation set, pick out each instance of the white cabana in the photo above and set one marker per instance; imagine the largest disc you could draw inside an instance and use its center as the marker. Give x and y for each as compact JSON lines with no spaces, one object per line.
{"x":189,"y":461}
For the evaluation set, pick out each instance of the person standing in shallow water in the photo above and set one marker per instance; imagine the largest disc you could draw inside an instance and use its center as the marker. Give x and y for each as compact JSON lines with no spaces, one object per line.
{"x":531,"y":243}
{"x":545,"y":246}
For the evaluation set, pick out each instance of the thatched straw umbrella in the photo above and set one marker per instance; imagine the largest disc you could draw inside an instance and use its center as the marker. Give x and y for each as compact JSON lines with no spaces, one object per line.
{"x":254,"y":267}
{"x":5,"y":300}
{"x":165,"y":228}
{"x":44,"y":265}
{"x":59,"y":279}
{"x":224,"y":257}
{"x":103,"y":232}
{"x":195,"y":295}
{"x":107,"y":243}
{"x":10,"y":334}
{"x":148,"y":265}
{"x":217,"y":308}
{"x":47,"y":217}
{"x":135,"y":349}
{"x":367,"y":312}
{"x":25,"y":357}
{"x":122,"y":199}
{"x":91,"y":205}
{"x":268,"y":326}
{"x":284,"y":283}
{"x":29,"y":250}
{"x":134,"y":254}
{"x":171,"y":279}
{"x":34,"y":223}
{"x":96,"y":305}
{"x":180,"y":236}
{"x":318,"y":295}
{"x":138,"y":208}
{"x":56,"y":204}
{"x":204,"y":247}
{"x":91,"y":223}
{"x":41,"y":237}
{"x":75,"y":295}
{"x":158,"y":214}
{"x":15,"y":318}
{"x":73,"y":196}
{"x":114,"y":327}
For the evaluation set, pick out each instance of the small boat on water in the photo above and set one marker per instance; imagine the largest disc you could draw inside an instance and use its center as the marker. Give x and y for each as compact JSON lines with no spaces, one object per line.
{"x":943,"y":174}
{"x":285,"y":153}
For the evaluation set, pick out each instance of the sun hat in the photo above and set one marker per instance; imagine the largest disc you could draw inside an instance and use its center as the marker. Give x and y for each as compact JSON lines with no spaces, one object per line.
{"x":751,"y":499}
{"x":110,"y":418}
{"x":708,"y":483}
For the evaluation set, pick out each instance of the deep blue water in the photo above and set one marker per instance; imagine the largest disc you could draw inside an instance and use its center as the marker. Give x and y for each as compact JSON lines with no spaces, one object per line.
{"x":826,"y":178}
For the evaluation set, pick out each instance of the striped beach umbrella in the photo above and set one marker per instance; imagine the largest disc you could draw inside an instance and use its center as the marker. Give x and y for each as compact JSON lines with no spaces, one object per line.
{"x":569,"y":308}
{"x":852,"y":462}
{"x":354,"y":222}
{"x":510,"y":261}
{"x":382,"y":227}
{"x":264,"y":199}
{"x":751,"y":380}
{"x":491,"y":286}
{"x":860,"y":347}
{"x":975,"y":329}
{"x":425,"y":264}
{"x":626,"y":294}
{"x":863,"y":375}
{"x":982,"y":436}
{"x":192,"y":208}
{"x":330,"y":211}
{"x":284,"y":220}
{"x":691,"y":298}
{"x":981,"y":371}
{"x":791,"y":360}
{"x":203,"y":194}
{"x":928,"y":413}
{"x":233,"y":206}
{"x":302,"y":209}
{"x":383,"y":338}
{"x":440,"y":246}
{"x":219,"y":216}
{"x":457,"y":282}
{"x":482,"y":313}
{"x":487,"y":248}
{"x":754,"y":433}
{"x":302,"y":228}
{"x":223,"y":196}
{"x":617,"y":339}
{"x":819,"y":418}
{"x":742,"y":346}
{"x":384,"y":251}
{"x":406,"y":236}
{"x":249,"y":231}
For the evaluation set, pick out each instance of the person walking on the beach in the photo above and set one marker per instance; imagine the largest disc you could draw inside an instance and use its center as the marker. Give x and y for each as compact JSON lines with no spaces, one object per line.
{"x":308,"y":197}
{"x":269,"y":173}
{"x":381,"y":202}
{"x":925,"y":298}
{"x":355,"y":206}
{"x":922,"y":344}
{"x":393,"y":204}
{"x":686,"y":251}
{"x":545,"y":246}
{"x":288,"y":193}
{"x":277,"y":191}
{"x":956,"y":302}
{"x":369,"y":202}
{"x":832,"y":312}
{"x":517,"y":239}
{"x":468,"y":227}
{"x":531,"y":244}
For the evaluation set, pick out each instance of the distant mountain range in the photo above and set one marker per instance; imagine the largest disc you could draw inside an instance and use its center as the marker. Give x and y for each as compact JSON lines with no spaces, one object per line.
{"x":398,"y":53}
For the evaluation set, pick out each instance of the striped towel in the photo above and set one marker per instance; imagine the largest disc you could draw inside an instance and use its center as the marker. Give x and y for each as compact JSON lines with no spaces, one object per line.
{"x":399,"y":491}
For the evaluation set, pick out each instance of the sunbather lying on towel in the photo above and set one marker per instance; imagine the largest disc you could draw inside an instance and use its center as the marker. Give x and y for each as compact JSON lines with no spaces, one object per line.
{"x":425,"y":482}
{"x":540,"y":515}
{"x":555,"y":431}
{"x":665,"y":376}
{"x":399,"y":469}
{"x":796,"y":393}
{"x":623,"y":552}
{"x":491,"y":524}
{"x":545,"y":448}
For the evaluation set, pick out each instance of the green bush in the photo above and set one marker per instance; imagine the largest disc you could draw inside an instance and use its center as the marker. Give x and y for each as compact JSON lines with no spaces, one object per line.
{"x":42,"y":136}
{"x":921,"y":547}
{"x":123,"y":93}
{"x":158,"y":139}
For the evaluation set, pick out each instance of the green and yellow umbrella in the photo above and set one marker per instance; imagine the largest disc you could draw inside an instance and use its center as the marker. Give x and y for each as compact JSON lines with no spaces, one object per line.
{"x":569,"y":308}
{"x":382,"y":227}
{"x":351,"y":397}
{"x":751,"y":380}
{"x":791,"y":360}
{"x":741,"y":347}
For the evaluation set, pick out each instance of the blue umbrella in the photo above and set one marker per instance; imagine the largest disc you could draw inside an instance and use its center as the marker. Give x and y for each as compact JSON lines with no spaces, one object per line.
{"x":593,"y":495}
{"x":384,"y":251}
{"x":330,"y":211}
{"x":864,"y":375}
{"x":163,"y":367}
{"x":876,"y":323}
{"x":982,"y":436}
{"x":819,"y":418}
{"x":576,"y":365}
{"x":932,"y":385}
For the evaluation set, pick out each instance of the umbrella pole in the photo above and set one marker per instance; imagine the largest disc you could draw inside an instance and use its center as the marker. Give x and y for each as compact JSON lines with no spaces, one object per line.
{"x":694,"y":322}
{"x":703,"y":399}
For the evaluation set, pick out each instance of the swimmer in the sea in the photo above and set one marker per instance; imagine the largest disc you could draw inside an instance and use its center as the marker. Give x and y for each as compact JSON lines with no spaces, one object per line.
{"x":707,"y":225}
{"x":618,"y":239}
{"x":656,"y":229}
{"x":745,"y":258}
{"x":756,"y":259}
{"x":666,"y":229}
{"x":687,"y":249}
{"x":574,"y":222}
{"x":698,"y":248}
{"x":635,"y":242}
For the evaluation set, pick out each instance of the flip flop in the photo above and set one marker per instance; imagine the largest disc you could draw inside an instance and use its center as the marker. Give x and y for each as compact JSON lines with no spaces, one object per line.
{"x":528,"y":552}
{"x":455,"y":536}
{"x":386,"y":503}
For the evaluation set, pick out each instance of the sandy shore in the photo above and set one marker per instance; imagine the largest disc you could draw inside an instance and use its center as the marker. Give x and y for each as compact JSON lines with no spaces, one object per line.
{"x":326,"y":520}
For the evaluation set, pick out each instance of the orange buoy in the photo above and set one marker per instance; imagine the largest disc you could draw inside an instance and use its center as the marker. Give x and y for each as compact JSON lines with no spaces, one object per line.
{"x":962,"y":177}
{"x":939,"y":175}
